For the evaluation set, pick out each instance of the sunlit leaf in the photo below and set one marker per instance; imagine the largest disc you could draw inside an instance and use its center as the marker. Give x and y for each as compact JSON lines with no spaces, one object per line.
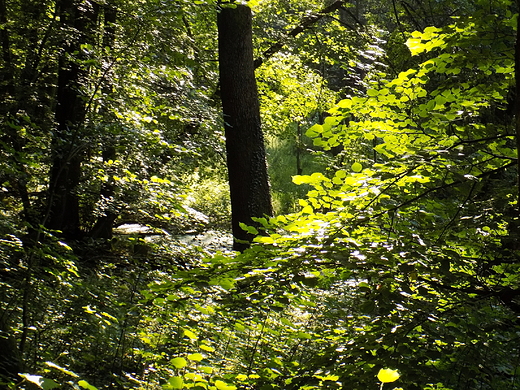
{"x":85,"y":385}
{"x":206,"y":348}
{"x":197,"y":357}
{"x":175,"y":382}
{"x":41,"y":382}
{"x":189,"y":334}
{"x":357,"y":167}
{"x":64,"y":370}
{"x":179,"y":362}
{"x":387,"y":375}
{"x":221,"y":385}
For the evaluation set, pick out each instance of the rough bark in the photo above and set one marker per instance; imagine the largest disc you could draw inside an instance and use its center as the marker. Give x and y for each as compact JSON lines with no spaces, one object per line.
{"x":517,"y":104}
{"x":247,"y":170}
{"x":511,"y":241}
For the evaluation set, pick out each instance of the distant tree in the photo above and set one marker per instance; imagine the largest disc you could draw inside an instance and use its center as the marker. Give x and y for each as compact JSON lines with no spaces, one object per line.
{"x":103,"y":225}
{"x":68,"y":144}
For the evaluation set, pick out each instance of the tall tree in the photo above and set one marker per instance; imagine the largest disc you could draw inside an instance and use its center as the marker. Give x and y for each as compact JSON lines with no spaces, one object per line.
{"x":247,"y":170}
{"x":78,"y":18}
{"x":103,"y":226}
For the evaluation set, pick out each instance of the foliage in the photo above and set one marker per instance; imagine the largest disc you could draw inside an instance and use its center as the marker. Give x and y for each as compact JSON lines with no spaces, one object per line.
{"x":412,"y":227}
{"x":209,"y":194}
{"x":400,"y":252}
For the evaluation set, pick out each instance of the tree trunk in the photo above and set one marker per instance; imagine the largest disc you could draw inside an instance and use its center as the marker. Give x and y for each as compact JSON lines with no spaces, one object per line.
{"x":247,"y":169}
{"x":512,"y":239}
{"x":299,"y":149}
{"x":67,"y":148}
{"x":103,"y":226}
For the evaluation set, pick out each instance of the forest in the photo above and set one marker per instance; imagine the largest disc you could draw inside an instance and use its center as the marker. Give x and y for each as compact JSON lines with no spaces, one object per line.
{"x":259,"y":194}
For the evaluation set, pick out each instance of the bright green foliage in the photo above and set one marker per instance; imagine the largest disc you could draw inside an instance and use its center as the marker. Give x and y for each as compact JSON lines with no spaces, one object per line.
{"x":285,"y":96}
{"x":85,"y":385}
{"x":403,"y":236}
{"x":386,"y":375}
{"x":179,"y":362}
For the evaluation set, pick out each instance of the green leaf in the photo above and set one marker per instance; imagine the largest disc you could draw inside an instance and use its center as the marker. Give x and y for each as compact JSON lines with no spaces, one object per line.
{"x":303,"y":335}
{"x":41,"y":382}
{"x":415,"y":45}
{"x":225,"y":283}
{"x":175,"y":382}
{"x":387,"y":375}
{"x":431,"y":31}
{"x":189,"y":334}
{"x":264,"y":240}
{"x":221,"y":385}
{"x":346,"y":103}
{"x":369,"y":136}
{"x":179,"y":362}
{"x":196,"y":357}
{"x":64,"y":370}
{"x":357,"y":167}
{"x":249,"y":229}
{"x":300,"y":179}
{"x":84,"y":384}
{"x":205,"y":347}
{"x":314,"y":131}
{"x":328,"y":377}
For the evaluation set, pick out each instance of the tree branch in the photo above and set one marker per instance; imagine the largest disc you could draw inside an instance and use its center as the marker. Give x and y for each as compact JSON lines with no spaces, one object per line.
{"x":442,"y":187}
{"x":456,"y":215}
{"x":506,"y":295}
